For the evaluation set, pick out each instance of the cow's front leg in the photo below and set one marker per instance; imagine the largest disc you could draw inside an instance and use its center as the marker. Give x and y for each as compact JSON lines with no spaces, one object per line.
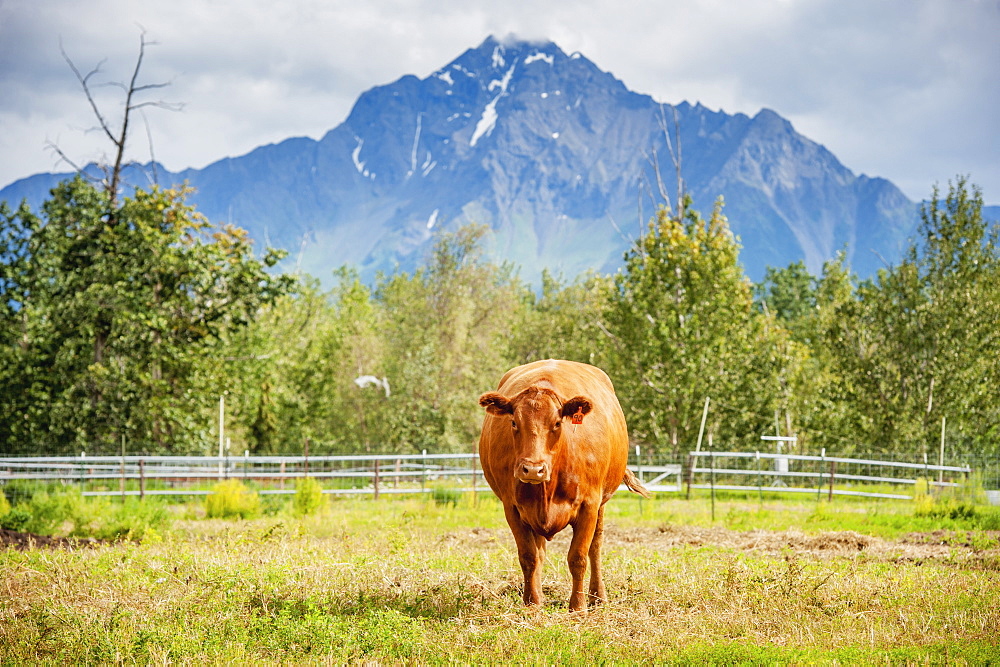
{"x":597,"y":592}
{"x":583,"y":537}
{"x":530,"y":554}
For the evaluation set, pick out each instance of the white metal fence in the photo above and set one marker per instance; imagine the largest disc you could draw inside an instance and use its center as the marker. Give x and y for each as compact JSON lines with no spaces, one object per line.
{"x":832,"y":475}
{"x":194,"y":475}
{"x":418,"y":473}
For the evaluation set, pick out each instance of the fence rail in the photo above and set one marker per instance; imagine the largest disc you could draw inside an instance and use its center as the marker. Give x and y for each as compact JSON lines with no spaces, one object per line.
{"x":822,"y":472}
{"x":420,"y":473}
{"x":353,"y":474}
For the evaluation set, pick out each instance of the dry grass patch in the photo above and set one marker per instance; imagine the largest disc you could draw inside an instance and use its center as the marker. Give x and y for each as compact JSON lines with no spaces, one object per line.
{"x":412,"y":582}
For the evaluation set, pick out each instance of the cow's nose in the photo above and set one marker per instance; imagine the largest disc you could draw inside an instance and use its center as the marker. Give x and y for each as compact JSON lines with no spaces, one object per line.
{"x":530,"y":472}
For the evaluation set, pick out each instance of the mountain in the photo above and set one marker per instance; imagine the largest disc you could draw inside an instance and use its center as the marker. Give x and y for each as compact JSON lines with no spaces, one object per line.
{"x":558,"y":157}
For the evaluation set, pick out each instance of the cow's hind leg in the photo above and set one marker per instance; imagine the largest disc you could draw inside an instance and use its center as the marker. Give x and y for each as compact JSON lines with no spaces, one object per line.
{"x":597,"y":593}
{"x":530,"y":554}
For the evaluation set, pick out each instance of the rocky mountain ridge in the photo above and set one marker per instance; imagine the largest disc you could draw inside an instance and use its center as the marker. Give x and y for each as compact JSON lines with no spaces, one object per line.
{"x":558,"y":157}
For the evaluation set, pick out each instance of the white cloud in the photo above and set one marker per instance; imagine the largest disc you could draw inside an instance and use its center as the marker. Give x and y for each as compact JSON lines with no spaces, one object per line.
{"x":904,"y":89}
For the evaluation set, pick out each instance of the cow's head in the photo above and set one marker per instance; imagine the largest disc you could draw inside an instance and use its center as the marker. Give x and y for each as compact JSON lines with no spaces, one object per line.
{"x":536,"y":422}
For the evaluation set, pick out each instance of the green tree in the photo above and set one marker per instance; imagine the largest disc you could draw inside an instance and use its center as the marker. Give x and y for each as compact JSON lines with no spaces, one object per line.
{"x":119,"y":310}
{"x":789,"y":293}
{"x":564,"y":322}
{"x":919,"y":342}
{"x":683,"y":327}
{"x":447,"y":332}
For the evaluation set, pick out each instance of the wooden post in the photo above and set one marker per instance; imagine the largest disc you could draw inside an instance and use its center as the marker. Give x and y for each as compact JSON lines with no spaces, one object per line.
{"x":305,"y":453}
{"x":711,"y":460}
{"x":142,"y":479}
{"x":123,"y":467}
{"x":701,"y":429}
{"x":638,"y":464}
{"x":376,"y":479}
{"x":475,"y":462}
{"x":760,"y":490}
{"x":833,"y":472}
{"x":690,"y":474}
{"x":819,"y":474}
{"x":941,"y":455}
{"x":395,"y":480}
{"x":282,"y":475}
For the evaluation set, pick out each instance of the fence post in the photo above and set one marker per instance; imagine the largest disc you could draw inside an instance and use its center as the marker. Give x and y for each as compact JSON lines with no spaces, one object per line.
{"x":376,"y":478}
{"x":638,"y":463}
{"x":423,"y":472}
{"x":475,"y":461}
{"x":927,"y":475}
{"x":760,"y":490}
{"x":711,"y":463}
{"x":690,"y":474}
{"x":123,"y":467}
{"x":305,"y":454}
{"x":142,"y":479}
{"x":819,"y":474}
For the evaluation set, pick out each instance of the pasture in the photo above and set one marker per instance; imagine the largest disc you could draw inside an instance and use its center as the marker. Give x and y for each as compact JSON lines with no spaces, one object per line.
{"x":411,"y":580}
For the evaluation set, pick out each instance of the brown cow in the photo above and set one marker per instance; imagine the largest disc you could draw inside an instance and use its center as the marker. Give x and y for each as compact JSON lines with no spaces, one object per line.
{"x":554,"y":448}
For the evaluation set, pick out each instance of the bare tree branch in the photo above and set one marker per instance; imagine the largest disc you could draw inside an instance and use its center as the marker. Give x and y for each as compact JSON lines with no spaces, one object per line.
{"x":118,"y":136}
{"x":675,"y":156}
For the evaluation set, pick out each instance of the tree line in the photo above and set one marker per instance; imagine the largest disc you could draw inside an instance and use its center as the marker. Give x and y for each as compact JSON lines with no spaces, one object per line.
{"x":123,"y":322}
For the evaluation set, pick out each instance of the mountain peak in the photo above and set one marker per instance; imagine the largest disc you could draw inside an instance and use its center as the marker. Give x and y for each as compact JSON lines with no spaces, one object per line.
{"x":498,"y":56}
{"x":553,"y":154}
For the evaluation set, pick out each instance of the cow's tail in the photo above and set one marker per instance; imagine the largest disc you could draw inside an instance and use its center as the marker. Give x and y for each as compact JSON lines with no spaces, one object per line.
{"x":633,"y":484}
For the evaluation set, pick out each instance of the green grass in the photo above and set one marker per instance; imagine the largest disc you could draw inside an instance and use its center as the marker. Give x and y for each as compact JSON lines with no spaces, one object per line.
{"x":411,"y":580}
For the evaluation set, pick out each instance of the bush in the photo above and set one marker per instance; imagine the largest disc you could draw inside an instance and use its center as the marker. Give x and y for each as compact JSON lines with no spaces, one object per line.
{"x":43,"y":514}
{"x":308,"y":496}
{"x":16,"y":519}
{"x":444,"y":496}
{"x":232,"y":498}
{"x":135,"y":519}
{"x":956,"y":502}
{"x":4,"y":505}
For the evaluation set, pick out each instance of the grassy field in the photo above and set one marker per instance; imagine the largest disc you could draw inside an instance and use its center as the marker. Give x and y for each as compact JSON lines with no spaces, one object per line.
{"x":408,"y":580}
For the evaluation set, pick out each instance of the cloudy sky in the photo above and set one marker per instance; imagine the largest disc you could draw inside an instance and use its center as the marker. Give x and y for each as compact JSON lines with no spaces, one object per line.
{"x":904,"y":89}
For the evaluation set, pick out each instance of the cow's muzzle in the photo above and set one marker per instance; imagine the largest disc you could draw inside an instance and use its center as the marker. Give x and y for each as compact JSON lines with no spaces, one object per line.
{"x":531,"y":472}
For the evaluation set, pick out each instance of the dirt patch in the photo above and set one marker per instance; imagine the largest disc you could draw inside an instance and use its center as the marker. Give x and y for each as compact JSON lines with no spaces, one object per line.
{"x":10,"y":539}
{"x":949,"y":548}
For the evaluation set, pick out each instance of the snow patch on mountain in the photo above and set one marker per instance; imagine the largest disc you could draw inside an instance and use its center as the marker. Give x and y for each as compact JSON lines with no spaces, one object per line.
{"x":498,"y":59}
{"x":489,"y":118}
{"x":538,"y":56}
{"x":413,"y":151}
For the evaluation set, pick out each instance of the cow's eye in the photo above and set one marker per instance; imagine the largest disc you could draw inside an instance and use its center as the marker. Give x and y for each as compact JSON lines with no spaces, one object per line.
{"x":513,"y":424}
{"x":555,"y":427}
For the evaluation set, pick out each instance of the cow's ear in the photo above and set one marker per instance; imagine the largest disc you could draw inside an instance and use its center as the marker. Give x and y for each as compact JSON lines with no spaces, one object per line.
{"x":576,"y":408}
{"x":496,"y":404}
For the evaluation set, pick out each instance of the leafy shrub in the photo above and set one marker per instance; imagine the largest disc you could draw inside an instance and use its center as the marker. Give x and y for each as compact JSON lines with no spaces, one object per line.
{"x":43,"y":513}
{"x":232,"y":498}
{"x":136,"y":520}
{"x":16,"y":519}
{"x":957,"y":503}
{"x":445,"y":496}
{"x":308,"y":496}
{"x":4,"y":505}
